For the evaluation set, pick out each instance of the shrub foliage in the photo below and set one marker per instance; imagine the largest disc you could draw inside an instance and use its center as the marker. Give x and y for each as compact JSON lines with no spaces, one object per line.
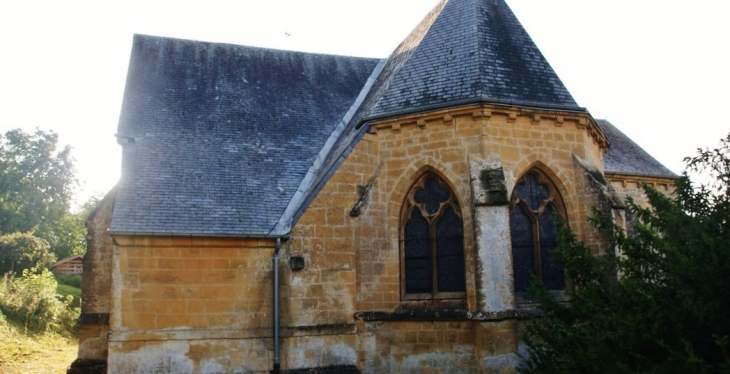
{"x":31,"y":300}
{"x":662,"y":305}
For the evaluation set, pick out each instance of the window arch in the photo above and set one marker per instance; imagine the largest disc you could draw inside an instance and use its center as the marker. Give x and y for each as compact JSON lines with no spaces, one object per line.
{"x":534,"y":231}
{"x":432,"y":242}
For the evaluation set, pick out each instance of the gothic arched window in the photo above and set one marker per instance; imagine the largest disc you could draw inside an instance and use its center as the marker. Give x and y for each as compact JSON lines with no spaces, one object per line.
{"x":432,"y":242}
{"x":533,"y":206}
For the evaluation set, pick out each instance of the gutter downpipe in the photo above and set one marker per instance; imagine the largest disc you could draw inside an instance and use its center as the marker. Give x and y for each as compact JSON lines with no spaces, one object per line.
{"x":275,"y":259}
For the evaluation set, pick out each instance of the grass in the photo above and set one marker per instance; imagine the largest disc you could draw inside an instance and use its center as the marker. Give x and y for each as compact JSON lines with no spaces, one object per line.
{"x":34,"y":353}
{"x":64,"y":289}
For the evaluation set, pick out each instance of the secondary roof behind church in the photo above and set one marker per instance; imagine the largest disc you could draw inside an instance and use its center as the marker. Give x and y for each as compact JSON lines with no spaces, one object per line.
{"x":627,"y":157}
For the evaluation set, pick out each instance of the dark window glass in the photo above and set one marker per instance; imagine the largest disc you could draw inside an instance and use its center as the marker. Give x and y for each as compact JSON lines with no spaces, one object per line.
{"x":433,"y":242}
{"x":552,"y":274}
{"x":523,"y":256}
{"x":432,"y":195}
{"x":450,"y":253}
{"x":534,"y":232}
{"x":417,"y":254}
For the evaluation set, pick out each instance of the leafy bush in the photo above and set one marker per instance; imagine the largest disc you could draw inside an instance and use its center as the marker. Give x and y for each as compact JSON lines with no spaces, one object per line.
{"x":31,"y":300}
{"x":69,"y":279}
{"x":662,"y":305}
{"x":64,"y":290}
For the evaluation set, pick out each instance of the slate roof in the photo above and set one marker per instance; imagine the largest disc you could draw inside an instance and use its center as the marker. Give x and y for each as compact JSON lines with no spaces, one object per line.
{"x":230,"y":140}
{"x":219,"y":137}
{"x":466,"y":51}
{"x":626,"y":157}
{"x":463,"y":51}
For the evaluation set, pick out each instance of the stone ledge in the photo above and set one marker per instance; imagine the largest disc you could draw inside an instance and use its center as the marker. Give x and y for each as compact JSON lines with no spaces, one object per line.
{"x":251,"y":333}
{"x":444,"y":315}
{"x":339,"y":369}
{"x":316,"y":330}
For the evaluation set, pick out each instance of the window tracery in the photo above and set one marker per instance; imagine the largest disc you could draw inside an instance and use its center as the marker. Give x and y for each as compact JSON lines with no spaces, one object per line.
{"x":534,"y":231}
{"x":432,"y":242}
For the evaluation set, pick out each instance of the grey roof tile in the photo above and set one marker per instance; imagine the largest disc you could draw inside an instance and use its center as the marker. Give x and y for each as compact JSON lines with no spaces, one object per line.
{"x":626,"y":157}
{"x":436,"y":65}
{"x":223,"y":134}
{"x":467,"y":50}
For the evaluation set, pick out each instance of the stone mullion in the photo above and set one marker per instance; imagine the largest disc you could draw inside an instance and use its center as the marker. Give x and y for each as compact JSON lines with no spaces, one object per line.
{"x":434,"y":264}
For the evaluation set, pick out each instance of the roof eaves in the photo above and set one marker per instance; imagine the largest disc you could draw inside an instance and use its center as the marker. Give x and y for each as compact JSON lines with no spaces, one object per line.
{"x":642,"y":175}
{"x":481,"y":100}
{"x":192,"y":234}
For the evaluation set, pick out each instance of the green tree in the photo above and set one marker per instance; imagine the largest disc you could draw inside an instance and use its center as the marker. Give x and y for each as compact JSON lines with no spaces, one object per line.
{"x":663,"y":304}
{"x":36,"y":181}
{"x":36,"y":184}
{"x":20,"y":251}
{"x":68,"y":236}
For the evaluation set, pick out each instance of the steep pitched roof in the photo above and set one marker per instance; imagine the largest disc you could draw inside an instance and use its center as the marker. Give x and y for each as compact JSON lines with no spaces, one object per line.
{"x":463,"y":51}
{"x":467,"y":51}
{"x":219,"y":137}
{"x":626,"y":157}
{"x":231,"y":140}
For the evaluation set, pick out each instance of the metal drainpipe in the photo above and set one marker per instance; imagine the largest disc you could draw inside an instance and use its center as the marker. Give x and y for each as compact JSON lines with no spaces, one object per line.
{"x":276,"y":305}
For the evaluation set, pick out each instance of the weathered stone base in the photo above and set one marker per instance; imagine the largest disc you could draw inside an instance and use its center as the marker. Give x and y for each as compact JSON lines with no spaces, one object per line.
{"x":339,"y":369}
{"x":478,"y":343}
{"x":439,"y":347}
{"x":191,"y":356}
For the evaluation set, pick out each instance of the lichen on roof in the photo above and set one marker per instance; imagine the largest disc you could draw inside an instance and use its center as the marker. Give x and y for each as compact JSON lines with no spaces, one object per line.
{"x":221,"y":135}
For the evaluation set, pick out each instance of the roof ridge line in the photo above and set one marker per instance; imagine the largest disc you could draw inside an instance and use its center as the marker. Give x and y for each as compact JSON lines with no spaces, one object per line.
{"x":285,"y":223}
{"x":412,"y":40}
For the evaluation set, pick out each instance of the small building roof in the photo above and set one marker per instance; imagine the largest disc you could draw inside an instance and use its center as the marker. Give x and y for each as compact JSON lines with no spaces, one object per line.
{"x":626,"y":157}
{"x":68,"y":259}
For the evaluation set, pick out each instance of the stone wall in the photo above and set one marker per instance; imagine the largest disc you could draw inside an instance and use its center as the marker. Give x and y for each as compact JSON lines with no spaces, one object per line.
{"x":191,"y":305}
{"x":96,"y":288}
{"x":631,"y":185}
{"x":205,"y":304}
{"x":352,"y":262}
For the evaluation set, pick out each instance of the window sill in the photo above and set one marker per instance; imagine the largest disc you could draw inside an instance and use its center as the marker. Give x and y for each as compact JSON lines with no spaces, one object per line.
{"x":441,"y":310}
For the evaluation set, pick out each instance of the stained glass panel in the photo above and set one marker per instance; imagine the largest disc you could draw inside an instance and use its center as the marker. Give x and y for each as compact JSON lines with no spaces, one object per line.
{"x":432,"y":195}
{"x":531,"y":191}
{"x":418,"y":275}
{"x":523,"y":258}
{"x":433,"y":242}
{"x":552,"y":274}
{"x":450,"y":253}
{"x":534,"y":233}
{"x":416,"y":235}
{"x":417,"y":254}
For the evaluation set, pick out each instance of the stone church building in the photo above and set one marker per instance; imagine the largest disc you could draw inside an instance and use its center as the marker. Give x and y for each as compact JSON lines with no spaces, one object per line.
{"x":287,"y":211}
